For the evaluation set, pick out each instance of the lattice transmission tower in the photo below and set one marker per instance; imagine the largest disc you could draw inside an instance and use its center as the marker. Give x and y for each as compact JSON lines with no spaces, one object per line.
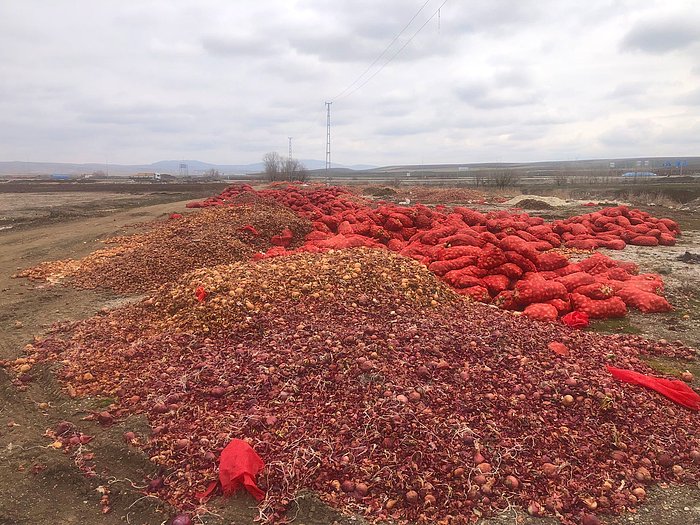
{"x":328,"y":136}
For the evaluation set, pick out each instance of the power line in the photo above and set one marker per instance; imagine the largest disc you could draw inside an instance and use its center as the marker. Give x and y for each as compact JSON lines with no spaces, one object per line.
{"x":383,"y":52}
{"x":394,"y":55}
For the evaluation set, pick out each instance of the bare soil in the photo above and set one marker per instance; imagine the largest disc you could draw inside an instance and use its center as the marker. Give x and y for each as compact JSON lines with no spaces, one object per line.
{"x":42,"y":485}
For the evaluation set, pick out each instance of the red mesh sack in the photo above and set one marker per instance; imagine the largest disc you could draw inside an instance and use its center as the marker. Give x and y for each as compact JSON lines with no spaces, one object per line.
{"x":618,"y":274}
{"x":462,"y":279}
{"x":330,"y":221}
{"x":462,"y":239}
{"x":541,"y":246}
{"x":578,"y":229}
{"x":644,"y":240}
{"x":647,"y":282}
{"x":596,"y":291}
{"x":615,"y":244}
{"x":567,"y":270}
{"x":510,"y":270}
{"x":630,"y":267}
{"x":345,"y":227}
{"x":670,"y":224}
{"x":541,"y":312}
{"x":454,"y":252}
{"x":575,"y":280}
{"x":523,"y":262}
{"x":666,"y":239}
{"x":599,"y":309}
{"x":340,"y":241}
{"x":540,"y":231}
{"x":496,"y":283}
{"x":539,"y":291}
{"x":491,"y":257}
{"x":562,"y":305}
{"x":478,"y":293}
{"x":475,"y":271}
{"x":551,"y":261}
{"x":525,"y":236}
{"x":434,"y":235}
{"x":284,"y":238}
{"x":317,"y":236}
{"x":596,"y":260}
{"x":395,"y":245}
{"x":405,"y":220}
{"x":645,"y":302}
{"x":582,"y":244}
{"x":516,"y":244}
{"x":442,"y":267}
{"x":673,"y":389}
{"x":471,"y":217}
{"x":422,"y":221}
{"x":506,"y":300}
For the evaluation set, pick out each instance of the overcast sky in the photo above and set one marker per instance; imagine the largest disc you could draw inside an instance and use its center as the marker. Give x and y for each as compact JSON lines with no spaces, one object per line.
{"x":226,"y":81}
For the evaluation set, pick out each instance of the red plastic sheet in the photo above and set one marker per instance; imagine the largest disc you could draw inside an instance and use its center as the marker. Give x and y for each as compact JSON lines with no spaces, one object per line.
{"x":200,"y":293}
{"x":673,"y":389}
{"x":249,"y":229}
{"x":238,"y":466}
{"x":576,"y":319}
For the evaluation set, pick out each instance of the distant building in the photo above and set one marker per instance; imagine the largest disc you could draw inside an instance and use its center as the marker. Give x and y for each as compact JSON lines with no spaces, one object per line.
{"x":60,"y":176}
{"x":152,"y":177}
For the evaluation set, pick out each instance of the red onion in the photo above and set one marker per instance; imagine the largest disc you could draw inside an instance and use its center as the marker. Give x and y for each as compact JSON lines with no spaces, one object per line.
{"x":181,"y":519}
{"x":590,"y":519}
{"x":411,"y":496}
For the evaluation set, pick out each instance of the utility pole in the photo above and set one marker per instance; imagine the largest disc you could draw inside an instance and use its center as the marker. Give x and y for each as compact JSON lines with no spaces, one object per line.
{"x":328,"y":137}
{"x":290,"y":148}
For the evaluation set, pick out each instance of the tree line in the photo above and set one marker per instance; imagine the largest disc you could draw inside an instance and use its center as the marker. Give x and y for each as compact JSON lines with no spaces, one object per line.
{"x":277,"y":168}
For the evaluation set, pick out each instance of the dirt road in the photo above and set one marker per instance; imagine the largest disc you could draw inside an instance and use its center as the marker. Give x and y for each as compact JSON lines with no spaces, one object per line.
{"x":39,"y":484}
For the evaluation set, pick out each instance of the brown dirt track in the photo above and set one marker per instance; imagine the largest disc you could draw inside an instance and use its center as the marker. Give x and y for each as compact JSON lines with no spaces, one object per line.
{"x":40,"y":485}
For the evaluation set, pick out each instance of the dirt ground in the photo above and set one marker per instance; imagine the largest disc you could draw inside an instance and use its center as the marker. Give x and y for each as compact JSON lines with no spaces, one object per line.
{"x":42,"y":485}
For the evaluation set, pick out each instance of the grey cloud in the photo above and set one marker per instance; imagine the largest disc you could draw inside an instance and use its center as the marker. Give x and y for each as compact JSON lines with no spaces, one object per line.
{"x":634,"y":133}
{"x":691,"y":98}
{"x":489,"y":16}
{"x":547,"y":120}
{"x":629,"y":89}
{"x":686,"y":135}
{"x":485,"y":96}
{"x":401,"y":130}
{"x":344,"y":46}
{"x":239,"y":46}
{"x":658,"y":36}
{"x":150,"y":80}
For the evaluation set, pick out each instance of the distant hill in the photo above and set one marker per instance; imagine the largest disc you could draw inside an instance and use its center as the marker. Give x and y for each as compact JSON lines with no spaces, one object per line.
{"x":197,"y":167}
{"x":194,"y":167}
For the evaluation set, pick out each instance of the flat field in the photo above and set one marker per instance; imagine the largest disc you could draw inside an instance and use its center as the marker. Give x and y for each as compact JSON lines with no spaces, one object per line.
{"x":41,"y":485}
